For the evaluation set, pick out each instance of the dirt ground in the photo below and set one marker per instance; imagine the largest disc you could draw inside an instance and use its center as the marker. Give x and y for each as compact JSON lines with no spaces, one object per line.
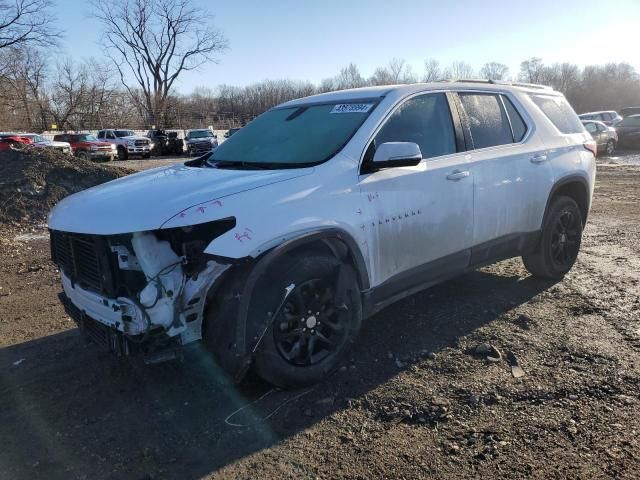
{"x":413,"y":400}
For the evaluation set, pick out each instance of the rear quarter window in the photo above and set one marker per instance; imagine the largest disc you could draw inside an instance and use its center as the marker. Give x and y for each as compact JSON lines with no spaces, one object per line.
{"x":559,"y":112}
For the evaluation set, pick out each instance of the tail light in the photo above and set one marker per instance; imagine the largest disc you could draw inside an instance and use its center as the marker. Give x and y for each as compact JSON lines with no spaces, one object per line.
{"x":592,"y":147}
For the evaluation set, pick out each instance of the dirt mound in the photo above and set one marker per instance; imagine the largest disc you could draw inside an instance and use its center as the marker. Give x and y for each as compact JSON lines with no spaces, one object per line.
{"x":33,"y":180}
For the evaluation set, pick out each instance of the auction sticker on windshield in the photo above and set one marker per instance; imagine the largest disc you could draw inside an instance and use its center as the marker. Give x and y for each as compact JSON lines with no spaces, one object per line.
{"x":352,"y":108}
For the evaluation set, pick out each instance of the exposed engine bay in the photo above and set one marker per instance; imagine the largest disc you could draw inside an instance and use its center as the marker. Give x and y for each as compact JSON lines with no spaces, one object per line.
{"x":151,"y":287}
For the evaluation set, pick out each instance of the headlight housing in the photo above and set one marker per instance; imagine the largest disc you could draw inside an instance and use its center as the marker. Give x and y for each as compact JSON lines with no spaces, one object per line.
{"x":113,"y":147}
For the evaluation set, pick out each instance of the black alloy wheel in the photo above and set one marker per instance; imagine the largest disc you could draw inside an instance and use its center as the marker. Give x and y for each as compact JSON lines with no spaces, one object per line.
{"x":310,"y":326}
{"x":565,"y":239}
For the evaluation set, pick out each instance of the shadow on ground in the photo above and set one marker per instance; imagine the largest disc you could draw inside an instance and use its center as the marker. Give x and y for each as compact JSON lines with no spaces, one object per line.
{"x":69,"y":412}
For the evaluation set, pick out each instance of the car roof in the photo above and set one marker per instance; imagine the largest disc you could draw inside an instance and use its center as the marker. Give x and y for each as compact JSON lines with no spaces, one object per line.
{"x":369,"y":93}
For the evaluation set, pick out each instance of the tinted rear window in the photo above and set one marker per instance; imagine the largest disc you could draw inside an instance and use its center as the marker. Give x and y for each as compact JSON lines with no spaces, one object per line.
{"x":558,"y":110}
{"x":487,"y":119}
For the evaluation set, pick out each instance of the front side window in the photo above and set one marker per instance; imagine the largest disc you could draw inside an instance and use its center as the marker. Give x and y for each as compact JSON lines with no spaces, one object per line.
{"x":425,"y":120}
{"x":487,"y":119}
{"x":559,"y":112}
{"x":101,"y":134}
{"x":295,"y":136}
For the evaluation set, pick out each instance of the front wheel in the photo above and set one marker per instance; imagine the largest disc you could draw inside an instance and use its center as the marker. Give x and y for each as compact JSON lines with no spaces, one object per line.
{"x":560,"y":241}
{"x":317,"y":323}
{"x":84,"y":156}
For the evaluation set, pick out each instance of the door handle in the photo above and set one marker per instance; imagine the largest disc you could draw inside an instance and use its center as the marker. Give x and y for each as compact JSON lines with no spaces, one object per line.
{"x":538,"y":158}
{"x":458,"y":175}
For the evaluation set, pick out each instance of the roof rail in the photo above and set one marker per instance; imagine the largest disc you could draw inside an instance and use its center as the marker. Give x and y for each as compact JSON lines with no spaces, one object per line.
{"x":497,"y":82}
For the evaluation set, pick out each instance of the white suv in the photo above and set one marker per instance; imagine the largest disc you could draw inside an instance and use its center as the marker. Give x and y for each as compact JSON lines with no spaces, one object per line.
{"x":273,"y":248}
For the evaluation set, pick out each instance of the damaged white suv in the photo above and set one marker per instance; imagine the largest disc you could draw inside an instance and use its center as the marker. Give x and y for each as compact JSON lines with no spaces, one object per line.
{"x":271,"y":250}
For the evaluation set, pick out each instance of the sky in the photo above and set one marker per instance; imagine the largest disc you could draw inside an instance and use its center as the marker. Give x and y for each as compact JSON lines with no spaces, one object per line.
{"x":311,"y":39}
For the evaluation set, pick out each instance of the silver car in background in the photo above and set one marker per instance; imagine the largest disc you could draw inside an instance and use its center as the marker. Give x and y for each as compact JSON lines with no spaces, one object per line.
{"x":608,"y":117}
{"x":606,"y":137}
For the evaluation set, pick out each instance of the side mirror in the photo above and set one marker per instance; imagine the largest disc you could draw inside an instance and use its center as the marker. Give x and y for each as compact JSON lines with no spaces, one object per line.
{"x":396,"y":154}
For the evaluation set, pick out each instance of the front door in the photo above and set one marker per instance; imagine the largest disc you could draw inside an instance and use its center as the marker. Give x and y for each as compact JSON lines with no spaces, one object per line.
{"x":419,"y":220}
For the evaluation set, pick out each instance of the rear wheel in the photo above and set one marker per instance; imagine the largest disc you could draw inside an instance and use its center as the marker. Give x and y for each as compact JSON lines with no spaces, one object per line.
{"x":318,"y":321}
{"x":611,"y":147}
{"x":84,"y":156}
{"x":560,"y":241}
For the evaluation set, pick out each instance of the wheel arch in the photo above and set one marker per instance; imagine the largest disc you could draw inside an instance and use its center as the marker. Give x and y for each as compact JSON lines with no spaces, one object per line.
{"x":242,"y":279}
{"x":576,"y":187}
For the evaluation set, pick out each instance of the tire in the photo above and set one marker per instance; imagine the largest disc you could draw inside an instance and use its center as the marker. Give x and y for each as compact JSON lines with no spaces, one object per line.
{"x":559,"y":243}
{"x":299,"y":348}
{"x":122,"y":154}
{"x":84,"y":156}
{"x":610,"y":148}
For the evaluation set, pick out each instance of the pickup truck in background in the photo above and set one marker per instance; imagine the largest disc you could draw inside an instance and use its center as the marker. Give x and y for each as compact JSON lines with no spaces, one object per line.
{"x":87,"y":146}
{"x":127,"y":143}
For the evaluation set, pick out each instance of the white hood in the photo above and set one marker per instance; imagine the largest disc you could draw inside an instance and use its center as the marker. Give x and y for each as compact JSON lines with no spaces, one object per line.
{"x":146,"y":200}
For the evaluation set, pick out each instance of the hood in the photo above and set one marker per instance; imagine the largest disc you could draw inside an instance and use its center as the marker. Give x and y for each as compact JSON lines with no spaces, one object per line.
{"x":146,"y":200}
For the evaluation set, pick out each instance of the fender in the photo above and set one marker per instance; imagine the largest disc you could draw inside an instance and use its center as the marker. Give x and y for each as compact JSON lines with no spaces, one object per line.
{"x":566,"y":180}
{"x":238,"y":359}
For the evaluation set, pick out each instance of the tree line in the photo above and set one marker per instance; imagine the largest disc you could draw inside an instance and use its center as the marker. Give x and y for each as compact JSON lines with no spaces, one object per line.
{"x":149,"y":43}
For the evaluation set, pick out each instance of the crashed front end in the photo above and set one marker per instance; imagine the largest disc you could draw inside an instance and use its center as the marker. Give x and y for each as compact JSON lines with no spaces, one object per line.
{"x":140,"y":293}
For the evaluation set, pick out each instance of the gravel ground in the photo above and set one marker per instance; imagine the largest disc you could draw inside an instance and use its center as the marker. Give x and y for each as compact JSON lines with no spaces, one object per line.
{"x":417,"y":398}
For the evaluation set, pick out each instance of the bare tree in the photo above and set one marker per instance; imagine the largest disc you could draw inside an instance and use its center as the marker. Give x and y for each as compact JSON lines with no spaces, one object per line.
{"x":494,"y":71}
{"x":432,"y":72}
{"x":459,"y":70}
{"x":26,"y":22}
{"x":349,"y":77}
{"x":532,"y":70}
{"x":398,"y":71}
{"x":154,"y":41}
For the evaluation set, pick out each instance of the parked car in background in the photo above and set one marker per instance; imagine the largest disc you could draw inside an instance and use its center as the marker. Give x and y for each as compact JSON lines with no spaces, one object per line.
{"x":608,"y":117}
{"x":230,"y":132}
{"x":165,"y":143}
{"x":605,"y":136}
{"x":628,"y":111}
{"x":629,"y":131}
{"x":87,"y":146}
{"x":200,"y":141}
{"x":42,"y":142}
{"x":10,"y":140}
{"x":127,"y":142}
{"x":273,"y":248}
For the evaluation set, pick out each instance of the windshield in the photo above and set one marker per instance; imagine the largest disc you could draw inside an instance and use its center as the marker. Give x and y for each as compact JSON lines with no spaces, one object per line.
{"x":630,"y":122}
{"x":200,"y":134}
{"x":295,"y":135}
{"x":86,"y":138}
{"x":124,"y":133}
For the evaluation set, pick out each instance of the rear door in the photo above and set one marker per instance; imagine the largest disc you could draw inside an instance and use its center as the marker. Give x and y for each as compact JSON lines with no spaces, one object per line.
{"x":510,"y":169}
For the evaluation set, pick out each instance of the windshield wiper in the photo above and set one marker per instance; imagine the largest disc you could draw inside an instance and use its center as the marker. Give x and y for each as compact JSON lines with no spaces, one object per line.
{"x":243,"y":165}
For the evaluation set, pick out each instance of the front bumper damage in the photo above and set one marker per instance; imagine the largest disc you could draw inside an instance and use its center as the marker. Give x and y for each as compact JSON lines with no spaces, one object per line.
{"x":164,"y":316}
